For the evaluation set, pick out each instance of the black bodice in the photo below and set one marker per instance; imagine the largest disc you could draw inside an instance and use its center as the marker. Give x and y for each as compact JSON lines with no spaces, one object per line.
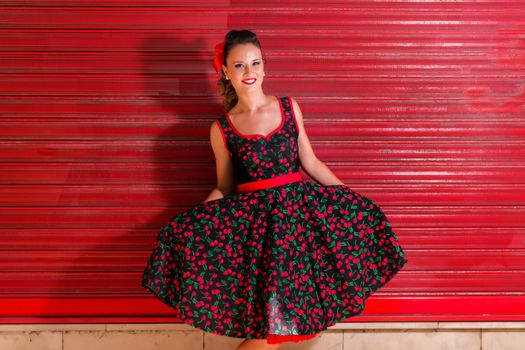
{"x":257,"y":157}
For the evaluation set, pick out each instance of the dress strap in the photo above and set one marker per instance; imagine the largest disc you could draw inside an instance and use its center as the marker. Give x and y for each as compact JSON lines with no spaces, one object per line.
{"x":226,"y":132}
{"x":290,"y":120}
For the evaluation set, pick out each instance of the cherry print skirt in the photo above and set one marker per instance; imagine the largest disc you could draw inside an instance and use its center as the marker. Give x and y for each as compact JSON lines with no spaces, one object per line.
{"x":281,"y":263}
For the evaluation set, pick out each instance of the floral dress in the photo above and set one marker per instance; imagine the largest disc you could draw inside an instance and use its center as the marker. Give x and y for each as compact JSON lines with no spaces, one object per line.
{"x":281,"y":258}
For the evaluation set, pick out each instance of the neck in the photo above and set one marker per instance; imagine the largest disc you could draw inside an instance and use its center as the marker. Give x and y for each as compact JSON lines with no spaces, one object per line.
{"x":251,"y":101}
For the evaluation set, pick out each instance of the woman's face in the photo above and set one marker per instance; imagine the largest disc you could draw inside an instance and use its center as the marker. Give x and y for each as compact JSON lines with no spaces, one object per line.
{"x":245,"y":67}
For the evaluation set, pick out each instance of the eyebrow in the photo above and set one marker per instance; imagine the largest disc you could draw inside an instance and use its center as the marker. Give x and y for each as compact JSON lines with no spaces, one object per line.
{"x":255,"y":59}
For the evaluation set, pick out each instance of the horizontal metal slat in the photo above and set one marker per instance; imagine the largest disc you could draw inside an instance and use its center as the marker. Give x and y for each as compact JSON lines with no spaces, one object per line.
{"x":139,"y":239}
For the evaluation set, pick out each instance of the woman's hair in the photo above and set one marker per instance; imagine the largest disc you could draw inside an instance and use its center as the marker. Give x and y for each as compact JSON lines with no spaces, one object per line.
{"x":231,"y":39}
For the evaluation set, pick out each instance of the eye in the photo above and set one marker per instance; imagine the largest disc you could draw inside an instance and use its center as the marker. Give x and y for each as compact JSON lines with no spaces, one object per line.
{"x":238,"y":65}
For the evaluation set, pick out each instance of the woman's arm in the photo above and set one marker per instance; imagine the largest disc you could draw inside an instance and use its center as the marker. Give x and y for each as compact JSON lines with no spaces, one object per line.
{"x":223,"y":165}
{"x":314,"y":167}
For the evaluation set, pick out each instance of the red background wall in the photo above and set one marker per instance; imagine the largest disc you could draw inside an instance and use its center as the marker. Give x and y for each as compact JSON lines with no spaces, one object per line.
{"x":105,"y":110}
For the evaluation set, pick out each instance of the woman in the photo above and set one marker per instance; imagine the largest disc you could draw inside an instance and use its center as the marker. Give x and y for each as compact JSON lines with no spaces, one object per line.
{"x":269,"y":256}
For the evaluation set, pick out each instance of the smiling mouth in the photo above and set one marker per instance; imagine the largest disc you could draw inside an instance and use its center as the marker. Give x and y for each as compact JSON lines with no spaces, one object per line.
{"x":249,"y":81}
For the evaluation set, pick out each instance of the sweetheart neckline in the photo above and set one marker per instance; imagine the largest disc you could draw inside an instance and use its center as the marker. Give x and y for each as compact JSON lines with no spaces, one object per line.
{"x":266,"y":137}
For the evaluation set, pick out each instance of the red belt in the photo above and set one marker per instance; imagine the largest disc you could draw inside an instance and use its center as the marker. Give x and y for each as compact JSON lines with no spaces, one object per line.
{"x":271,"y":182}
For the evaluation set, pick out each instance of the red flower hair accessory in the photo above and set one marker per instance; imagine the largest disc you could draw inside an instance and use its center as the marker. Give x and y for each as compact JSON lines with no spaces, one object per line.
{"x":219,"y":56}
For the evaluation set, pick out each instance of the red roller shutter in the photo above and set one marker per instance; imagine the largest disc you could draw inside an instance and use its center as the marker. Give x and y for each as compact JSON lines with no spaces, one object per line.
{"x":105,"y":113}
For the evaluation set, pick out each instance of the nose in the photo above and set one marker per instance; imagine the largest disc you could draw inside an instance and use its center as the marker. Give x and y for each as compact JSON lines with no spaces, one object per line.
{"x":249,"y":69}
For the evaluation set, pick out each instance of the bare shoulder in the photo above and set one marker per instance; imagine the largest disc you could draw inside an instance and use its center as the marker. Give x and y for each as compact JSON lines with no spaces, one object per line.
{"x":223,"y":161}
{"x":214,"y":128}
{"x":298,"y":115}
{"x":306,"y":152}
{"x":216,"y":137}
{"x":297,"y":110}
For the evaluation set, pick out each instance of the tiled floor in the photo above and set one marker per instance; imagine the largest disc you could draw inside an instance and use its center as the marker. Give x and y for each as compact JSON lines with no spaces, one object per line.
{"x":345,"y":336}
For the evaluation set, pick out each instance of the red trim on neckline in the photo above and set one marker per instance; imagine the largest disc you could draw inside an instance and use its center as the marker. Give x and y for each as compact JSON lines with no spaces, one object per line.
{"x":283,"y":117}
